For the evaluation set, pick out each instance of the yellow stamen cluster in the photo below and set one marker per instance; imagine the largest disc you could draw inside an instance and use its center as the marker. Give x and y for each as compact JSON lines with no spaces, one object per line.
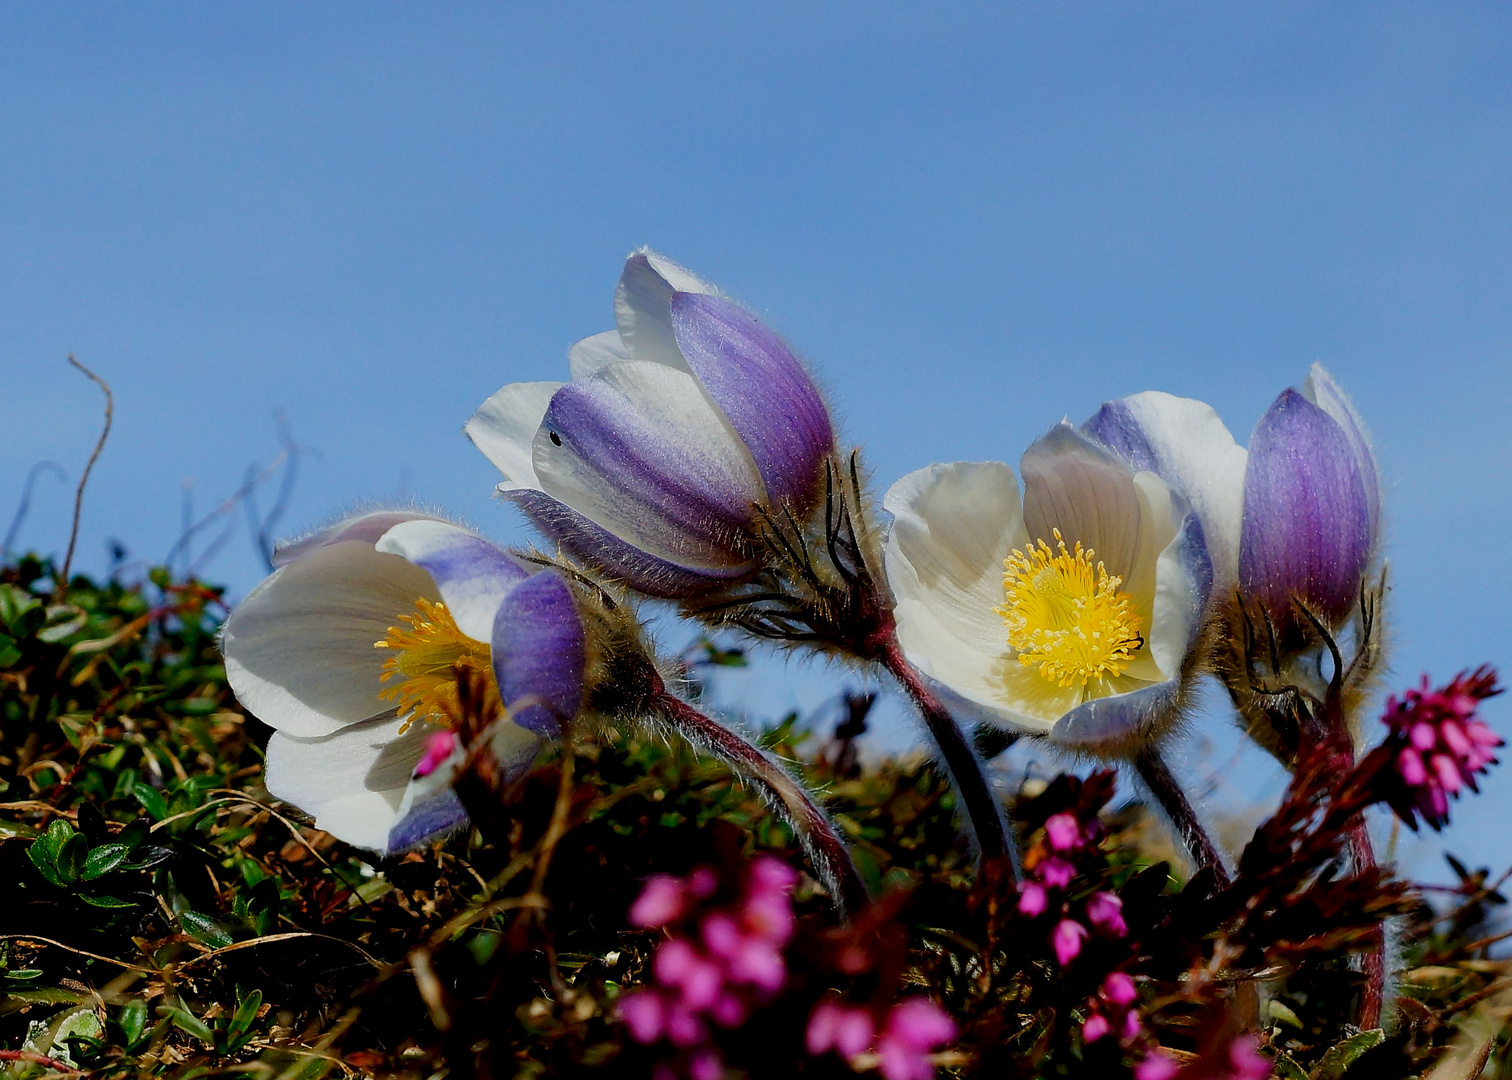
{"x":430,"y":655}
{"x":1066,"y":616}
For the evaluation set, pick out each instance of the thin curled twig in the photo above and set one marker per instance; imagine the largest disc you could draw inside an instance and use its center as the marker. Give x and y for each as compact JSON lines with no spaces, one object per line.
{"x":73,"y":533}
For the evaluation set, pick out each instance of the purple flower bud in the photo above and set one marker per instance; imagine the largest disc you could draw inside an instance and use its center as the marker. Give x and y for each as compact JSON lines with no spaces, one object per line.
{"x":644,"y":1013}
{"x":1032,"y":899}
{"x":1063,"y":831}
{"x":1308,"y":523}
{"x":1066,"y":939}
{"x":1096,"y":1027}
{"x":1056,"y":873}
{"x":1105,"y":911}
{"x":662,"y":900}
{"x":721,"y":935}
{"x":1119,"y":989}
{"x":1410,"y":765}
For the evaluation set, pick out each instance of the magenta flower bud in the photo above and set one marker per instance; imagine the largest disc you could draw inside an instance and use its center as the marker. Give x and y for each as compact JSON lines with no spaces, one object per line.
{"x":1246,"y":1061}
{"x":914,"y":1028}
{"x":1131,"y":1027}
{"x":1455,"y":739}
{"x":703,"y":883}
{"x":1156,"y":1066}
{"x":1423,"y":736}
{"x":439,"y":746}
{"x":848,"y":1030}
{"x":1446,"y":772}
{"x":769,"y":916}
{"x":729,"y":1010}
{"x":1410,"y":766}
{"x":1119,"y":989}
{"x":1066,"y":939}
{"x":1096,"y":1027}
{"x":1105,"y":911}
{"x":758,"y":964}
{"x":705,"y":1064}
{"x":1063,"y":831}
{"x":722,"y":935}
{"x":1032,"y":899}
{"x":662,"y":900}
{"x":819,"y":1037}
{"x":644,"y":1013}
{"x":684,"y":1027}
{"x":1056,"y":873}
{"x":769,"y":874}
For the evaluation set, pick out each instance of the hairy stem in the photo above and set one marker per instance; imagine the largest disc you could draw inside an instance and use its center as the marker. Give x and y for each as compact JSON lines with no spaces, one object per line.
{"x":1167,"y":791}
{"x":1373,"y":960}
{"x":983,"y":813}
{"x":823,"y":846}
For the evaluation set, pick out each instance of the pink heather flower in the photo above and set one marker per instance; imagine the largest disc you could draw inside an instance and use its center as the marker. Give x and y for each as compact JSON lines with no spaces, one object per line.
{"x":769,"y":874}
{"x":684,"y":1026}
{"x":706,"y":1064}
{"x":643,"y":1012}
{"x":845,"y":1029}
{"x":1442,"y":743}
{"x":1156,"y":1066}
{"x":1118,"y":989}
{"x":703,"y":883}
{"x":1063,"y":831}
{"x":679,"y":964}
{"x":438,"y":747}
{"x":1246,"y":1061}
{"x":663,"y":899}
{"x":1056,"y":873}
{"x":1132,"y":1028}
{"x":1105,"y":911}
{"x":1067,"y":939}
{"x":1032,"y":899}
{"x":1096,"y":1027}
{"x":729,"y":1010}
{"x":721,"y":935}
{"x":758,"y":964}
{"x":915,"y":1028}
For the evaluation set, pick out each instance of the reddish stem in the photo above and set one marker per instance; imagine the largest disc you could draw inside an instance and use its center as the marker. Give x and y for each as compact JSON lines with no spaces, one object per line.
{"x":980,"y":806}
{"x":1156,"y":774}
{"x":826,"y":851}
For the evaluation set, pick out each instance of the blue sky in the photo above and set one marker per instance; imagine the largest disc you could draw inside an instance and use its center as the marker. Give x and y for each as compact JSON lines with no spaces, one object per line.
{"x":972,"y":222}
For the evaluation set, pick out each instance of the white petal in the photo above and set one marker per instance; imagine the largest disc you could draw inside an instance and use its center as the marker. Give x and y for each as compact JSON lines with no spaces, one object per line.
{"x":592,"y":353}
{"x":1074,"y":485}
{"x":1160,"y":586}
{"x":472,"y":574}
{"x":642,"y":306}
{"x":953,"y":527}
{"x":369,"y":527}
{"x":299,"y":649}
{"x":358,"y":759}
{"x":505,"y":426}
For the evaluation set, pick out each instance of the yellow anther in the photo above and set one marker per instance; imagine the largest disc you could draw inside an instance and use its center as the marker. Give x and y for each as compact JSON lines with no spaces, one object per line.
{"x":430,"y":654}
{"x":1065,"y":615}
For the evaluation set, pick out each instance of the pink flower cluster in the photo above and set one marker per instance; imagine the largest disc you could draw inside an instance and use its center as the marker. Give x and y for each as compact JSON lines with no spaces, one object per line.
{"x":1441,"y":746}
{"x":1113,"y":1011}
{"x":717,"y":965}
{"x":1241,"y":1061}
{"x":1050,"y":877}
{"x":912,"y":1030}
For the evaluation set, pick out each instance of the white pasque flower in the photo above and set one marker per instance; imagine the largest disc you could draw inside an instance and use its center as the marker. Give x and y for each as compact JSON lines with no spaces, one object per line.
{"x":351,"y":651}
{"x":1074,"y":611}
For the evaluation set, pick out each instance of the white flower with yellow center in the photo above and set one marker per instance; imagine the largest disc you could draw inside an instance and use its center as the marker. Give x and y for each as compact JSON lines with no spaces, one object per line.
{"x":1073,"y":611}
{"x":354,"y":649}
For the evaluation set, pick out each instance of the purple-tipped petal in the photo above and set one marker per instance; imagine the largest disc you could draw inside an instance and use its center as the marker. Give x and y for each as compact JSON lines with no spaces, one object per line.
{"x":365,"y":527}
{"x":435,"y":816}
{"x":539,"y":654}
{"x":638,"y":448}
{"x":601,"y":549}
{"x":1321,"y":389}
{"x":642,"y":306}
{"x":1307,"y":521}
{"x":1107,"y":723}
{"x":763,"y":390}
{"x":472,"y":574}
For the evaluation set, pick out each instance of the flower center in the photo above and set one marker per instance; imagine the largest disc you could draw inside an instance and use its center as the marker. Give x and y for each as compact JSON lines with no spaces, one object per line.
{"x":429,"y":656}
{"x":1066,"y":616}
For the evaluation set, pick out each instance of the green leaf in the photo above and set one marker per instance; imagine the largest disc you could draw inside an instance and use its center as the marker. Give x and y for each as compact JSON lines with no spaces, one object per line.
{"x":134,"y":834}
{"x":43,"y":852}
{"x":71,"y":857}
{"x":21,"y":612}
{"x":152,"y":801}
{"x":148,"y":857}
{"x":100,"y":900}
{"x":188,"y":1023}
{"x":24,"y":974}
{"x":63,"y":620}
{"x":242,"y":1020}
{"x":132,"y":1020}
{"x":103,"y":859}
{"x":204,"y":929}
{"x":1342,"y":1055}
{"x":1287,"y":1069}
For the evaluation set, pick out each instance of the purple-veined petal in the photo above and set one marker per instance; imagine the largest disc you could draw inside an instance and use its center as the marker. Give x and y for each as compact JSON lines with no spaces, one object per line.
{"x":367,"y":527}
{"x":587,"y":356}
{"x":504,"y":428}
{"x":1073,"y":484}
{"x":642,"y":306}
{"x":1184,"y":442}
{"x":763,"y":390}
{"x":592,"y":544}
{"x":427,"y":819}
{"x":1321,"y":389}
{"x":1107,"y":724}
{"x":472,"y":574}
{"x":539,"y":654}
{"x":639,"y":448}
{"x":1306,"y":518}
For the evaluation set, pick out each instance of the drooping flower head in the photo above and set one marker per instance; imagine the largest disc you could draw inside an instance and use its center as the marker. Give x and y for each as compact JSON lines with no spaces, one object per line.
{"x":1074,"y":610}
{"x":355,"y":651}
{"x":649,"y":465}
